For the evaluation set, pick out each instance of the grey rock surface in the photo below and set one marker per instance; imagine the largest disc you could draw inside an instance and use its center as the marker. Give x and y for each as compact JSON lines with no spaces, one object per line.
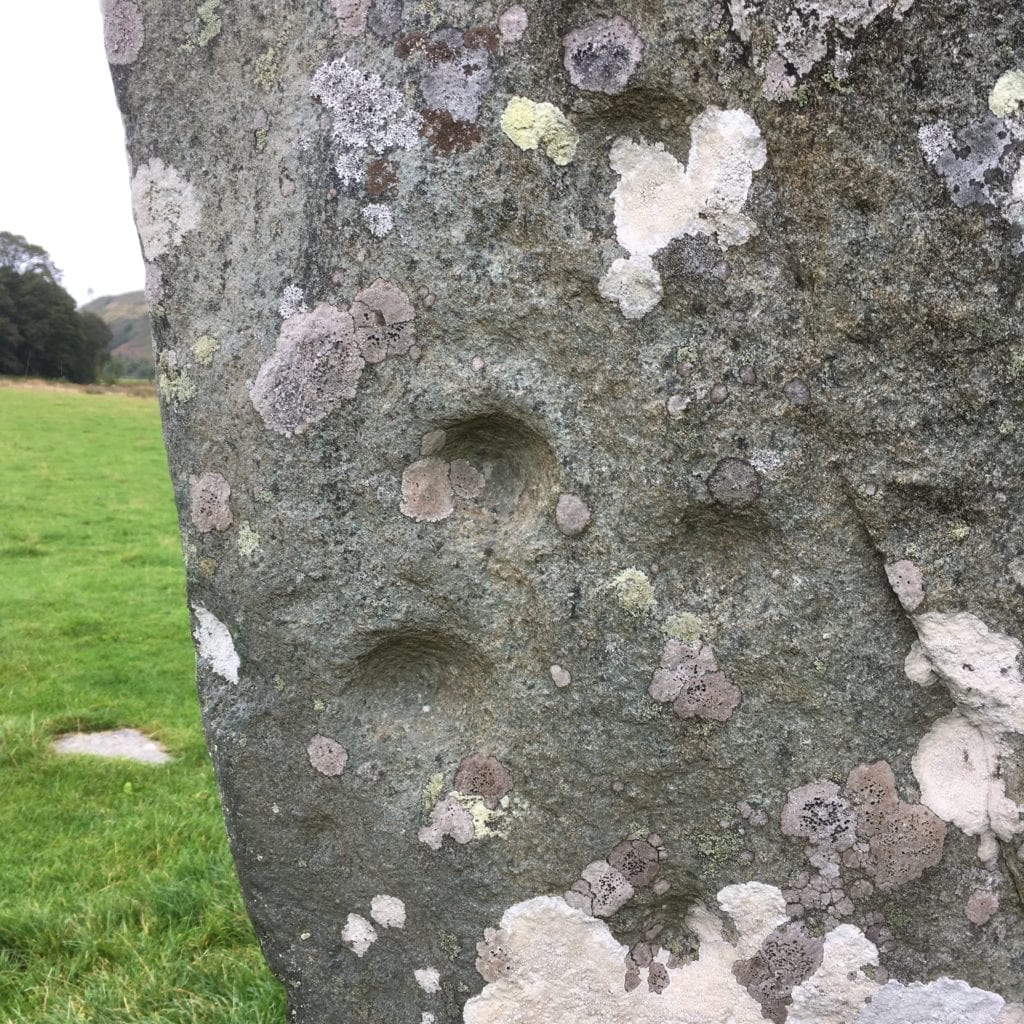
{"x":672,"y":346}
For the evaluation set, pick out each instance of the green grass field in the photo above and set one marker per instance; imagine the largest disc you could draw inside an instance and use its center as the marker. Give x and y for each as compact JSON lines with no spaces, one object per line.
{"x":118,"y":900}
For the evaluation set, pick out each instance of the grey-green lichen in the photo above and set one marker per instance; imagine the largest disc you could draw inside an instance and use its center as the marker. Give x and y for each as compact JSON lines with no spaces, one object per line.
{"x":209,"y":25}
{"x":173,"y":382}
{"x":248,"y":541}
{"x":685,"y":626}
{"x":204,"y":349}
{"x":634,"y":592}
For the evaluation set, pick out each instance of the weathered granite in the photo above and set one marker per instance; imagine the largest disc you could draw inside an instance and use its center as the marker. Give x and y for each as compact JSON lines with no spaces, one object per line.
{"x":614,"y":413}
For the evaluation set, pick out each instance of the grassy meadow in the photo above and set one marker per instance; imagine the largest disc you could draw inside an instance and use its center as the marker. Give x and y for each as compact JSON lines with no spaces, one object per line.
{"x":118,"y":901}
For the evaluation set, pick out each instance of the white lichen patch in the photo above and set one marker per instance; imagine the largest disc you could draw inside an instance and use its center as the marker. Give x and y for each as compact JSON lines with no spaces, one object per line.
{"x":555,"y":962}
{"x":292,"y":301}
{"x":1007,"y":95}
{"x":428,"y":979}
{"x":316,"y":365}
{"x":634,"y":284}
{"x":388,"y":911}
{"x":378,"y":219}
{"x":840,"y":986}
{"x":658,"y":199}
{"x":981,"y":669}
{"x":365,"y":115}
{"x":448,"y":818}
{"x":215,"y":645}
{"x":531,"y":125}
{"x":634,"y":592}
{"x":123,"y":31}
{"x":559,"y":676}
{"x":165,"y":205}
{"x":358,"y":934}
{"x":934,"y":1003}
{"x":957,"y":767}
{"x":551,"y":962}
{"x":957,"y":763}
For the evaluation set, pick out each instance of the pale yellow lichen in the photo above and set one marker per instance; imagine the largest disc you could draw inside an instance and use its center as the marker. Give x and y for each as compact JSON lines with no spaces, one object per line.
{"x":483,"y":817}
{"x":634,"y":592}
{"x":204,"y":349}
{"x":173,"y":382}
{"x":248,"y":541}
{"x":1007,"y":94}
{"x":432,"y":790}
{"x":685,"y":626}
{"x":530,"y":125}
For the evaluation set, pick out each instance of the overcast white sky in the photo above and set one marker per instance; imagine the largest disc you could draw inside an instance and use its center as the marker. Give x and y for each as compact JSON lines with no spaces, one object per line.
{"x":63,"y":169}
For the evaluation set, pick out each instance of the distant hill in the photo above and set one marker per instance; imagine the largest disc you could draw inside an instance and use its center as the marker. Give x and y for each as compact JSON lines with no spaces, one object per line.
{"x":131,"y":349}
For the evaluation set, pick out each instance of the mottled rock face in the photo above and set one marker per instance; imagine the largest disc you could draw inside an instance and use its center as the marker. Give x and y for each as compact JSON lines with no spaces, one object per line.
{"x":596,"y":435}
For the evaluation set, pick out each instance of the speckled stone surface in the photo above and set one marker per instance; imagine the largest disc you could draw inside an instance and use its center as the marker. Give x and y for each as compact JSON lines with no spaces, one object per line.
{"x":674,"y":346}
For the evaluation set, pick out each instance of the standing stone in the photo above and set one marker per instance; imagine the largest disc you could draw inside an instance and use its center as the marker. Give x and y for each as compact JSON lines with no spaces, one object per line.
{"x":651,"y":348}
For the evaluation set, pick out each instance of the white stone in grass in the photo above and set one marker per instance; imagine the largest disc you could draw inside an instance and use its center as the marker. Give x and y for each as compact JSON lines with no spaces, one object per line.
{"x":128,"y":744}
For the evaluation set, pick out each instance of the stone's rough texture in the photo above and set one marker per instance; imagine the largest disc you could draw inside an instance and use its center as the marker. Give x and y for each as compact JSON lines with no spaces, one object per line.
{"x":773,"y":347}
{"x":316,"y":365}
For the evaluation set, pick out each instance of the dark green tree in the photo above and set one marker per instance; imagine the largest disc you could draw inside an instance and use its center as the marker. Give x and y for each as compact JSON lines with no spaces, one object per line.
{"x":41,"y":332}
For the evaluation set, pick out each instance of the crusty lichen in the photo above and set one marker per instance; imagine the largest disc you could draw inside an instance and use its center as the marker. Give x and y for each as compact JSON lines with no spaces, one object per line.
{"x":635,"y":592}
{"x":165,"y":205}
{"x":530,"y":125}
{"x":658,"y":199}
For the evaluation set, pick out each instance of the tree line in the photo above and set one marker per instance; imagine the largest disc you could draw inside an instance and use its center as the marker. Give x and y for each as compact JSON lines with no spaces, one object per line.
{"x":42,"y":334}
